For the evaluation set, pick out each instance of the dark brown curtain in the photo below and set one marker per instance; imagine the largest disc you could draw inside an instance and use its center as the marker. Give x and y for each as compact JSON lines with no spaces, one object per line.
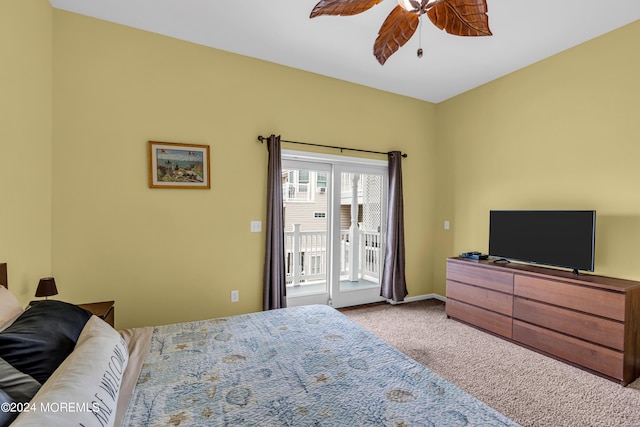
{"x":394,"y":285}
{"x":274,"y":272}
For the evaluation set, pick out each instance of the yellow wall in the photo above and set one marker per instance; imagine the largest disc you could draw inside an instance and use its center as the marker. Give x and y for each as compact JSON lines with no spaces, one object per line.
{"x":175,"y":255}
{"x":25,"y":143}
{"x":560,"y":134}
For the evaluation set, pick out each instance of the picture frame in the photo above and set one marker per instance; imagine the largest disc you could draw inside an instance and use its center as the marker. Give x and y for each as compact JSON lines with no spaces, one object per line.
{"x":179,"y":165}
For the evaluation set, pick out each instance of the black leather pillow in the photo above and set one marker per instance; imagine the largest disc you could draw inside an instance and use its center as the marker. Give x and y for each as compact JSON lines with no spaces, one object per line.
{"x":16,"y":384}
{"x":5,"y":416}
{"x":42,"y":337}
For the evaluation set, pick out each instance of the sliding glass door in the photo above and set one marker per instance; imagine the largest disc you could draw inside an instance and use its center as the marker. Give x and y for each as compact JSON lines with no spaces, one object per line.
{"x":334,"y":213}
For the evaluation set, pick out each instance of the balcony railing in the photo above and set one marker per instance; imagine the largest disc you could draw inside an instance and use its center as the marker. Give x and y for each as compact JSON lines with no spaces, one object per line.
{"x":306,"y":255}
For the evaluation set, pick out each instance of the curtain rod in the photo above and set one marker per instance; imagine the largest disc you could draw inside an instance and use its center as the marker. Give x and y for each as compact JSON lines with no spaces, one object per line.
{"x":262,"y":139}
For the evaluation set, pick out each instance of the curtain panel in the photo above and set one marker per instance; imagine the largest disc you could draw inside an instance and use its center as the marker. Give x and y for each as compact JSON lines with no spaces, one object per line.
{"x":394,"y":285}
{"x":274,"y":269}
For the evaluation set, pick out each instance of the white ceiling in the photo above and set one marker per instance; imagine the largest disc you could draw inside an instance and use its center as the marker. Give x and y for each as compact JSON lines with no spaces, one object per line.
{"x":280,"y":31}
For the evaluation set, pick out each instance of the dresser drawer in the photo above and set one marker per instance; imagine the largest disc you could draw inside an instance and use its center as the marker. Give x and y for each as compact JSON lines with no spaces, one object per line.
{"x":481,"y":297}
{"x":582,"y":298}
{"x":484,"y":277}
{"x":580,"y":325}
{"x":488,"y":320}
{"x":600,"y":359}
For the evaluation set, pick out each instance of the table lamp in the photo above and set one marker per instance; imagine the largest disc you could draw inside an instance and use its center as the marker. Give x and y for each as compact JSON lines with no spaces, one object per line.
{"x":46,"y":287}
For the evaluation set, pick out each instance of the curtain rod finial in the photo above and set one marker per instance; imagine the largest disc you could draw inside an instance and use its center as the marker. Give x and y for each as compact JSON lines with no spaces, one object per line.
{"x":261,"y":138}
{"x":405,"y":155}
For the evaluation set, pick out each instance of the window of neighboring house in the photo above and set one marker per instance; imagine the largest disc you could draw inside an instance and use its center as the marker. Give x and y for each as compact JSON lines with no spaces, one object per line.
{"x":303,"y":181}
{"x":319,"y":214}
{"x":321,"y":181}
{"x":290,"y":185}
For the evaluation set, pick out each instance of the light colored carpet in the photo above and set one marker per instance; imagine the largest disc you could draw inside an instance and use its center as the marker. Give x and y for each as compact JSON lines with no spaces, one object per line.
{"x":529,"y":388}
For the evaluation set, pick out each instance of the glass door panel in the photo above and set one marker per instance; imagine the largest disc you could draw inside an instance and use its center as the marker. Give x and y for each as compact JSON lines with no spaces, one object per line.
{"x":361,"y":223}
{"x":306,"y":211}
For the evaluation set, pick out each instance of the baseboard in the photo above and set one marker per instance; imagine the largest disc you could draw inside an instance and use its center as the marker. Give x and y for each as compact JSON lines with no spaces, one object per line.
{"x":419,"y":298}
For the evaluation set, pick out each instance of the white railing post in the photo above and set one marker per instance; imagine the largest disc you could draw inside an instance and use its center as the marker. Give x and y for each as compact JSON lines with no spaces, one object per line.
{"x":362,"y":251}
{"x":354,"y":233}
{"x":296,"y":254}
{"x":344,"y":252}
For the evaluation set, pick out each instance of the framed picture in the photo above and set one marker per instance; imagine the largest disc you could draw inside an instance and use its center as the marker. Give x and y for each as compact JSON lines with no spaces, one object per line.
{"x":177,"y":165}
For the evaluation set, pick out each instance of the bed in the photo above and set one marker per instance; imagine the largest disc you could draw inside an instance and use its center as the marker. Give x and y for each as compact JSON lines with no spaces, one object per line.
{"x":298,"y":366}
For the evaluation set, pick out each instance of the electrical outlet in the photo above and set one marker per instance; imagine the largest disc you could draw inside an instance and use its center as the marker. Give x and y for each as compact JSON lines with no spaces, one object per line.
{"x":256,"y":226}
{"x":235,"y":296}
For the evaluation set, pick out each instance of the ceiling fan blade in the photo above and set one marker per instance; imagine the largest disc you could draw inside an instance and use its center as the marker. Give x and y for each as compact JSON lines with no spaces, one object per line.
{"x":461,"y":17}
{"x":396,"y":30}
{"x":342,"y":7}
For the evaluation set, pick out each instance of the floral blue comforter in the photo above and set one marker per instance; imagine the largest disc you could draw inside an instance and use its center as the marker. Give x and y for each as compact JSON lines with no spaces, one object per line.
{"x":299,"y":366}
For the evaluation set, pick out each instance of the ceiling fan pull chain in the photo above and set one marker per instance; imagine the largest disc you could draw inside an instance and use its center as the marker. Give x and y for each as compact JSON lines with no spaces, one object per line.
{"x":420,"y":37}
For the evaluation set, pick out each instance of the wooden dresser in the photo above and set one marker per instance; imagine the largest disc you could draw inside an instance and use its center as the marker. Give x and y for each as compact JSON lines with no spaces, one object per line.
{"x":589,"y":321}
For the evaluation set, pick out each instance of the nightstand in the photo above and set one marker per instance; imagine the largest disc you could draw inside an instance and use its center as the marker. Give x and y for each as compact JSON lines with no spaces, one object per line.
{"x":104,"y":310}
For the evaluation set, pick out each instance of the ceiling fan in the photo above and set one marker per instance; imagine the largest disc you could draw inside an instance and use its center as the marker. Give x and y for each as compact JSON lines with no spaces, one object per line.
{"x":457,"y":17}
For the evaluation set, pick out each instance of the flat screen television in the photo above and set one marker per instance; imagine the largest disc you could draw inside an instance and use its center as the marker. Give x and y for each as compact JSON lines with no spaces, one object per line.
{"x":556,"y":238}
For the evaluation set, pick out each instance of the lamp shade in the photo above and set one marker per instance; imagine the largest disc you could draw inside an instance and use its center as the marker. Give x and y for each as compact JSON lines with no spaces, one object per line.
{"x":46,"y":287}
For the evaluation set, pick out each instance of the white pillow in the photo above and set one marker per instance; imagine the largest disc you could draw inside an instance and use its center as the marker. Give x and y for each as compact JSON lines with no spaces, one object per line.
{"x":10,"y":308}
{"x":84,"y":389}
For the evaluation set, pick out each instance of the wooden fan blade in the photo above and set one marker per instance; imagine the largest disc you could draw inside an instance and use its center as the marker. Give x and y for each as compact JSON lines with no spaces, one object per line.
{"x":461,"y":17}
{"x":396,"y":30}
{"x":342,"y":7}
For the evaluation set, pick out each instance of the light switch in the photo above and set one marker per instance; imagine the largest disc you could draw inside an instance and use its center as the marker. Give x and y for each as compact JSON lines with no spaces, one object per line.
{"x":256,"y":226}
{"x":446,"y":225}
